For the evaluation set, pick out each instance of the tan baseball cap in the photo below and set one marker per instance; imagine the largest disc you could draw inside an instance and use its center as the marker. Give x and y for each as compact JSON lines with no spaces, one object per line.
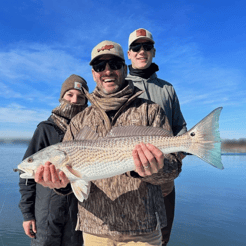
{"x":107,"y":48}
{"x":140,"y":33}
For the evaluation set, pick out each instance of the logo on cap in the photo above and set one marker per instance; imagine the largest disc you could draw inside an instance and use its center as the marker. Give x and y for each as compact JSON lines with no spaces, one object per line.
{"x":106,"y":47}
{"x":141,"y":32}
{"x":77,"y":85}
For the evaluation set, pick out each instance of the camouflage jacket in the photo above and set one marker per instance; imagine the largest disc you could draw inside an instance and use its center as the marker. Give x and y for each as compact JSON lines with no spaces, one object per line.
{"x":127,"y":203}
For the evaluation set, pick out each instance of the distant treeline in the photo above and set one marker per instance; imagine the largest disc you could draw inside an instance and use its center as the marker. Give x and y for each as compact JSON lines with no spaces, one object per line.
{"x":227,"y":145}
{"x":234,"y":145}
{"x":15,"y":141}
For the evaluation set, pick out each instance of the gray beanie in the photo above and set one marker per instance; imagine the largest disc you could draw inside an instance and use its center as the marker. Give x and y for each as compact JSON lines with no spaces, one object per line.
{"x":73,"y":82}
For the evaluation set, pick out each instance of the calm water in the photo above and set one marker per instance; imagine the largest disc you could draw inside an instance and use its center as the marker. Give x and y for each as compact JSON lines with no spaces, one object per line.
{"x":210,"y":203}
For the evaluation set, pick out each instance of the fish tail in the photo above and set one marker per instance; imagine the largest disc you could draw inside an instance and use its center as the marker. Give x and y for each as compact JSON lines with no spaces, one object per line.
{"x":206,"y":142}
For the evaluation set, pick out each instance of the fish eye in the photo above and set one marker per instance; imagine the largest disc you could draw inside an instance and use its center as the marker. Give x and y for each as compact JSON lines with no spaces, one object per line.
{"x":192,"y":134}
{"x":29,"y":160}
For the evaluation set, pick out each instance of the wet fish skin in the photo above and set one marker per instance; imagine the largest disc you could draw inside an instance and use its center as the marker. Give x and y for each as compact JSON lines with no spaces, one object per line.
{"x":106,"y":157}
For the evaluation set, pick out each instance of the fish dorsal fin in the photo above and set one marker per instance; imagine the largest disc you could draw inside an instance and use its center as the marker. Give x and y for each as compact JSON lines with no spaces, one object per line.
{"x":129,"y":131}
{"x":86,"y":134}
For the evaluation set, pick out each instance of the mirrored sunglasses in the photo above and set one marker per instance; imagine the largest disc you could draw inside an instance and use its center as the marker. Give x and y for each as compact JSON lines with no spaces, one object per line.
{"x":114,"y":64}
{"x":146,"y":46}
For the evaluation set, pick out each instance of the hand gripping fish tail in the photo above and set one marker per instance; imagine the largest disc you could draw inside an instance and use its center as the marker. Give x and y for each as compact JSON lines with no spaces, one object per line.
{"x":91,"y":157}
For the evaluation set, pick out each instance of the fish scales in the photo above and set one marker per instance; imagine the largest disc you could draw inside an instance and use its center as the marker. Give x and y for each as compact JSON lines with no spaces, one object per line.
{"x":86,"y":160}
{"x":116,"y":150}
{"x":107,"y":158}
{"x":103,"y":158}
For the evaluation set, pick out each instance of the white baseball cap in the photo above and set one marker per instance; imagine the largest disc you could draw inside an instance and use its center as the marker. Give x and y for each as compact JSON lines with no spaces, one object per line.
{"x":107,"y":48}
{"x":140,"y":33}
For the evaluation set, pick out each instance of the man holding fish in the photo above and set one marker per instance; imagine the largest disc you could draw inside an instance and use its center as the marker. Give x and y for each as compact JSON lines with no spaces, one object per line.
{"x":126,"y":208}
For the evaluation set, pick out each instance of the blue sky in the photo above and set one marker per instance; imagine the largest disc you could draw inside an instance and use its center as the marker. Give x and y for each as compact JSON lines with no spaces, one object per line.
{"x":200,"y":49}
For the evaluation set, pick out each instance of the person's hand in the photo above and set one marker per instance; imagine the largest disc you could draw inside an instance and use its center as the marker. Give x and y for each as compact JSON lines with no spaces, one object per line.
{"x":148,"y":159}
{"x":30,"y":228}
{"x":48,"y":176}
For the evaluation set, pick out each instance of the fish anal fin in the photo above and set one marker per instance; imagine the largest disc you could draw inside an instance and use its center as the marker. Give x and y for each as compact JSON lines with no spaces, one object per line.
{"x":81,"y":189}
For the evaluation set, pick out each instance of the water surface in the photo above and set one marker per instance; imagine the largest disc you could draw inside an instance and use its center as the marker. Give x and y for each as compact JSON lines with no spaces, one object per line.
{"x":210,"y":203}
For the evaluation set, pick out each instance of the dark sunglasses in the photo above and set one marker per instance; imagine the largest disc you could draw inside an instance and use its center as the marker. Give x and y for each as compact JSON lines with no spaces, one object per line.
{"x":136,"y":47}
{"x":114,"y":64}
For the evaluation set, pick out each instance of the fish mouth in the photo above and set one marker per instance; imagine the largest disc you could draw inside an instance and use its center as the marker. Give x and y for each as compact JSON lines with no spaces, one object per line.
{"x":24,"y":173}
{"x":18,"y":170}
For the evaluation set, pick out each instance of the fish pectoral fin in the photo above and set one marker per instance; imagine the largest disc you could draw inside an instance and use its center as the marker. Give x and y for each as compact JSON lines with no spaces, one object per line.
{"x":81,"y":189}
{"x":73,"y":172}
{"x":80,"y":185}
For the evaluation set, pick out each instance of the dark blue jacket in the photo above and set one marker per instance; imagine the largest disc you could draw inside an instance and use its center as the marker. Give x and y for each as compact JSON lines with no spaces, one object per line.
{"x":55,"y":215}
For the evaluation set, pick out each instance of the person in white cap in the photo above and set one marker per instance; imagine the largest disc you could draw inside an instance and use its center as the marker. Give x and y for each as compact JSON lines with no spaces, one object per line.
{"x":50,"y":219}
{"x":126,"y":209}
{"x":142,"y":73}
